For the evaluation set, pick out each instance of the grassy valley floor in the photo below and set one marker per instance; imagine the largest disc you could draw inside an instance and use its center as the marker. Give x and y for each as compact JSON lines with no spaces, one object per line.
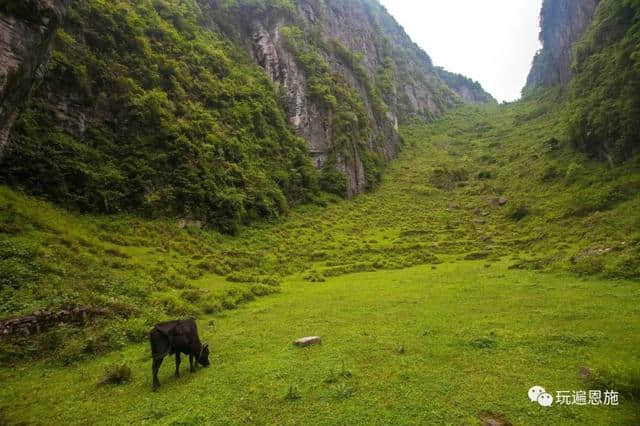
{"x":492,"y":258}
{"x":425,"y":345}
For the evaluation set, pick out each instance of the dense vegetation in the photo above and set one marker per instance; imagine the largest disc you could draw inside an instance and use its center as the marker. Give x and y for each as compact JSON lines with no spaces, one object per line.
{"x":375,"y":276}
{"x":492,"y":256}
{"x":438,"y":204}
{"x":459,"y":83}
{"x":605,"y":90}
{"x":178,"y":122}
{"x":147,"y":109}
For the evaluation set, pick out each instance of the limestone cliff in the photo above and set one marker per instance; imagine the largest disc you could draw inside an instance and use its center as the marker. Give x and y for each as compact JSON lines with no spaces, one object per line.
{"x":222,"y":111}
{"x":27,"y":29}
{"x":364,"y":45}
{"x":562,"y":23}
{"x":469,"y":91}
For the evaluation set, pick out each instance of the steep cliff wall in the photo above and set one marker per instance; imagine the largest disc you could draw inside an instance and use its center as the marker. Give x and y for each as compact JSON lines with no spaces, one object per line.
{"x":358,"y":41}
{"x":27,"y":28}
{"x":604,"y":93}
{"x":592,"y":49}
{"x":222,"y":111}
{"x":469,"y":91}
{"x":562,"y":23}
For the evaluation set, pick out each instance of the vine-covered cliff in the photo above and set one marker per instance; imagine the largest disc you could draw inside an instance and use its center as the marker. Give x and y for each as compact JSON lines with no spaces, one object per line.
{"x":562,"y":23}
{"x":591,"y":50}
{"x":340,"y":61}
{"x":222,"y":111}
{"x":27,"y":29}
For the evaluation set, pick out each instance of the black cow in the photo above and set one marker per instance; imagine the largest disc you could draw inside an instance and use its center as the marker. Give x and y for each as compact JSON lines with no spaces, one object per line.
{"x":176,"y":337}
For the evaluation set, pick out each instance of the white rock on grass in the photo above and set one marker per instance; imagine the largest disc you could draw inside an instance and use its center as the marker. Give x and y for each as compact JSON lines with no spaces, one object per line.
{"x":308,"y":341}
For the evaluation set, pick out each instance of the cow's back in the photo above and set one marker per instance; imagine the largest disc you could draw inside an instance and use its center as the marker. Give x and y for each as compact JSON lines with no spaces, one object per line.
{"x":172,"y":336}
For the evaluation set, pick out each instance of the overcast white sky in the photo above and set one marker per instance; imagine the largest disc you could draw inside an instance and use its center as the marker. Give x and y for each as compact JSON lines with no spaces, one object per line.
{"x":491,"y":41}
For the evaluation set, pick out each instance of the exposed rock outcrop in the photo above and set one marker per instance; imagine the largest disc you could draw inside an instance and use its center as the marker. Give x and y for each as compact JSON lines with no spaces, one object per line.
{"x":27,"y":29}
{"x":562,"y":23}
{"x":44,"y":319}
{"x":385,"y":59}
{"x":470,"y":91}
{"x":347,"y":72}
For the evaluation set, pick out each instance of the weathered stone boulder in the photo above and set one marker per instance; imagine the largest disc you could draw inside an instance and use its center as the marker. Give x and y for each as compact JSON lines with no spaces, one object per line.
{"x":308,"y":341}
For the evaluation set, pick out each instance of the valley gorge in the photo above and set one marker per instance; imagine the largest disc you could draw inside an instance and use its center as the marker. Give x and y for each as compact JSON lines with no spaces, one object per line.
{"x":286,"y":171}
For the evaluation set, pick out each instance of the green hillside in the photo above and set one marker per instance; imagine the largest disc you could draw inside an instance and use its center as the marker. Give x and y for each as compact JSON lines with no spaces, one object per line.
{"x":179,"y":122}
{"x":434,"y":219}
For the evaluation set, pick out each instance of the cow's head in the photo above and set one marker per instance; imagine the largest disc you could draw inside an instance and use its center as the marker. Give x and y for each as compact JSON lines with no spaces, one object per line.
{"x":203,"y":358}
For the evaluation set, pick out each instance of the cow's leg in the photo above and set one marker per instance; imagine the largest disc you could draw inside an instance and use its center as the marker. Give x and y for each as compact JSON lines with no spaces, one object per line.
{"x":191,"y":367}
{"x":177,"y":364}
{"x":154,"y":369}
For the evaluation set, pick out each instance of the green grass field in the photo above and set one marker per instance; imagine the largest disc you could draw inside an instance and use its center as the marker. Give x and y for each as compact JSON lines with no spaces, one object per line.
{"x":419,"y":346}
{"x":435,"y":303}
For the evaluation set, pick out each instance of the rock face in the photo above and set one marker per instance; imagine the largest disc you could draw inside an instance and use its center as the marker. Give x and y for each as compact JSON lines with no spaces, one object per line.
{"x":26,"y":35}
{"x":562,"y":23}
{"x":354,"y":76}
{"x":45,"y":319}
{"x":386,"y":62}
{"x":470,"y":91}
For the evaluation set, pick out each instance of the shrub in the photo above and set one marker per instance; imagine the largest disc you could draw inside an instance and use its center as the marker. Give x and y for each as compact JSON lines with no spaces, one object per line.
{"x":229,"y":303}
{"x":240,"y":277}
{"x":116,"y":375}
{"x":518,"y":212}
{"x":192,"y":295}
{"x":212,"y":307}
{"x":550,"y":173}
{"x":551,"y":145}
{"x":448,"y":179}
{"x":136,"y":329}
{"x":333,"y":181}
{"x":344,"y":391}
{"x":173,"y":306}
{"x":293,"y":393}
{"x":572,"y":173}
{"x":263,"y":290}
{"x":314,"y":277}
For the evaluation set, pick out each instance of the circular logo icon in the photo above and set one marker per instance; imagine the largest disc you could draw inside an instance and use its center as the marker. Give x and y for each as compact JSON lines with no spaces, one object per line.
{"x":535,"y":392}
{"x":545,"y":400}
